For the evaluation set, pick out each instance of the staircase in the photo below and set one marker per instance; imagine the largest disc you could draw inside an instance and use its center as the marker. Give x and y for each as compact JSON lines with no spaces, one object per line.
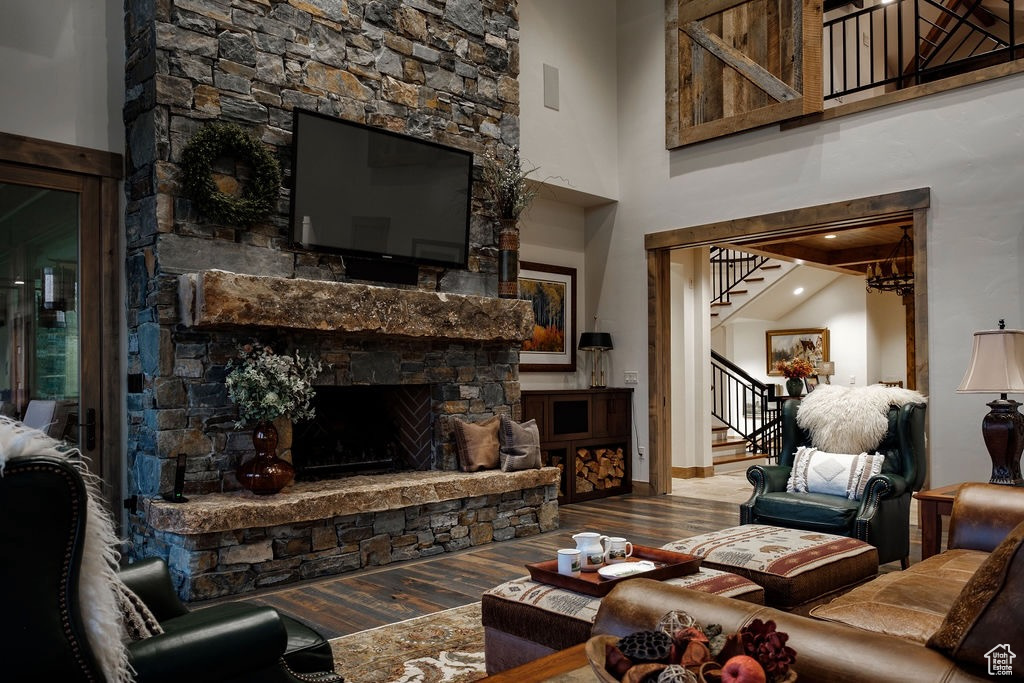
{"x":749,"y":420}
{"x":738,"y":278}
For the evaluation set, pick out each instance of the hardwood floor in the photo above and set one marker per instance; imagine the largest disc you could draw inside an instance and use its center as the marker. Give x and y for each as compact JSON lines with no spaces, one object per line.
{"x":352,"y":602}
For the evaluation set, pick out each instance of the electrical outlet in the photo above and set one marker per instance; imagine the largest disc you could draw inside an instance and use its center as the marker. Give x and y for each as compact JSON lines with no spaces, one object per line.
{"x":640,"y":451}
{"x":853,"y":379}
{"x":631,"y":377}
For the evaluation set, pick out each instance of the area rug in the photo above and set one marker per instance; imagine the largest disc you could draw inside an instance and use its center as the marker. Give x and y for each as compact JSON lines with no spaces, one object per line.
{"x":444,"y":647}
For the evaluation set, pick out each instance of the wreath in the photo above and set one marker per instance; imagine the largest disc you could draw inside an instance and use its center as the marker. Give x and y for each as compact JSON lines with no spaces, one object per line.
{"x":260,"y":192}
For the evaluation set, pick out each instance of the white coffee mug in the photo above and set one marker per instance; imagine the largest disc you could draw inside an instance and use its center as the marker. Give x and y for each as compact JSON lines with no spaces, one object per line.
{"x":619,"y":549}
{"x":569,"y":562}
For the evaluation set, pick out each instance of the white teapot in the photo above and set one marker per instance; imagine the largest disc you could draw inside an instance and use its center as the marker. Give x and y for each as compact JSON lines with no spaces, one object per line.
{"x":592,"y":550}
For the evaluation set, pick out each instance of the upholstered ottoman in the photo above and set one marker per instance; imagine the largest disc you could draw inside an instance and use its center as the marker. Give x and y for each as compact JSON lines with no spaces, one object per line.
{"x":797,"y":569}
{"x":524,"y":620}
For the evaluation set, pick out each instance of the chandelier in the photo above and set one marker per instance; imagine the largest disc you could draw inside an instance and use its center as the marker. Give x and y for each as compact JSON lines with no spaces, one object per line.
{"x":895,"y":273}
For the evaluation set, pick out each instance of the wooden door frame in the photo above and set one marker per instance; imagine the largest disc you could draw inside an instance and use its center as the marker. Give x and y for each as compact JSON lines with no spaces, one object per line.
{"x":910,"y":205}
{"x":96,"y":176}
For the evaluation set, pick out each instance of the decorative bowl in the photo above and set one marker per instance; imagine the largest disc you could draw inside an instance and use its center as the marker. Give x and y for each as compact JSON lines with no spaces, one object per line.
{"x":595,"y":650}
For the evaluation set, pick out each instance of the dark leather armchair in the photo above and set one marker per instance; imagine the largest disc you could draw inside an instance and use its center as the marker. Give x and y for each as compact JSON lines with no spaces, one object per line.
{"x":42,"y":508}
{"x":881,"y":517}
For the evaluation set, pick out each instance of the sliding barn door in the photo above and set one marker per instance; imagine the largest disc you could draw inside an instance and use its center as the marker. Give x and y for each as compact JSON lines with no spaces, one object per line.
{"x":734,"y":65}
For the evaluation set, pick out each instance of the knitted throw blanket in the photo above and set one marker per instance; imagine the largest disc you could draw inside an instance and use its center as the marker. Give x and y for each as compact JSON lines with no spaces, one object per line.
{"x":98,"y":580}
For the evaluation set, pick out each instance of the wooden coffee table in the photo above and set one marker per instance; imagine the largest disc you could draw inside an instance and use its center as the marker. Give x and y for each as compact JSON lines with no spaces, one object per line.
{"x":566,"y":666}
{"x":932,"y":505}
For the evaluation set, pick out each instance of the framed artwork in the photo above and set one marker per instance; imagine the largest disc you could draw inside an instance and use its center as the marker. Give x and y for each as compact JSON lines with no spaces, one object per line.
{"x":552,"y":291}
{"x":810,"y":383}
{"x":811,"y":343}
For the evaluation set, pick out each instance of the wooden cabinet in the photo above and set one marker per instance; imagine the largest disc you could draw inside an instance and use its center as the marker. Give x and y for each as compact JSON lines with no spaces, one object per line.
{"x":588,"y":434}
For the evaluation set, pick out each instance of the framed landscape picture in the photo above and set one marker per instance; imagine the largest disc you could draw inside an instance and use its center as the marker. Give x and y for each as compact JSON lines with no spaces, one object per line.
{"x":810,"y":343}
{"x":552,"y":291}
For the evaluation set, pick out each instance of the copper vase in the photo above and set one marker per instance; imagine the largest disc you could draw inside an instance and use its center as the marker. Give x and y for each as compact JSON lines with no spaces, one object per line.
{"x":508,"y":259}
{"x":265,"y":473}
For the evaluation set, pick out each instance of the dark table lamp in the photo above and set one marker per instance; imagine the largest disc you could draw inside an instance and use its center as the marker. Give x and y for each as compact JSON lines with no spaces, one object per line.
{"x":997,"y":367}
{"x":597,"y":343}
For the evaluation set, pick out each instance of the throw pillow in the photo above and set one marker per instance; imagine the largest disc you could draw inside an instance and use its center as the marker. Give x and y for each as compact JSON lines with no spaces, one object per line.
{"x":520,"y":445}
{"x":987,"y":611}
{"x":477,"y":444}
{"x":834,"y":474}
{"x":139,"y":622}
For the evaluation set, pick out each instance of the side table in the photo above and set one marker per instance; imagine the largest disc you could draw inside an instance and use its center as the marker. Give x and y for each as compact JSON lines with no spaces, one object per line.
{"x":932,"y":505}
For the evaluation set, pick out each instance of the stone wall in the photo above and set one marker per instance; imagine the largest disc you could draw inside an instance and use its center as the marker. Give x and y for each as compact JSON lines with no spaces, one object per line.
{"x":443,"y":70}
{"x":206,"y":565}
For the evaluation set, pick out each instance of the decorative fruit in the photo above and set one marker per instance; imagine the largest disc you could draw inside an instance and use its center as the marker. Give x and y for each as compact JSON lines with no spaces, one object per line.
{"x":743,"y":669}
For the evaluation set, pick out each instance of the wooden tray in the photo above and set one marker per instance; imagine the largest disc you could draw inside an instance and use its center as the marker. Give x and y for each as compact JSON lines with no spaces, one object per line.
{"x":668,"y":565}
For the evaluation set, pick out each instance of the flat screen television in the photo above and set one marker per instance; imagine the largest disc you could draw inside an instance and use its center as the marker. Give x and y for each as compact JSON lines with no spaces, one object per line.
{"x":371,"y":193}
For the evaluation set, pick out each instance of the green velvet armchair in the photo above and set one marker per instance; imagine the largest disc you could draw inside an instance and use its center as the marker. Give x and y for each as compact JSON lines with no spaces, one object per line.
{"x":43,"y":501}
{"x":881,"y":517}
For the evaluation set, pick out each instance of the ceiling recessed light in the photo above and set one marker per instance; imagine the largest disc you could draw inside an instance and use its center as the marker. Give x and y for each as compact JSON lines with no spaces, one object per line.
{"x":798,"y":291}
{"x":830,"y":237}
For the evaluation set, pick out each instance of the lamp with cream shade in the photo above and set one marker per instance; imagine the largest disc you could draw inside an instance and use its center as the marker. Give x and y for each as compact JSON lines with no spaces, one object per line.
{"x":997,"y":367}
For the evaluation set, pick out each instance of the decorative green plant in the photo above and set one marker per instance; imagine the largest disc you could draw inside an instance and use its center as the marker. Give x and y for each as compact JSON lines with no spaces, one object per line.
{"x":196,"y":174}
{"x":265,"y":385}
{"x":506,"y":183}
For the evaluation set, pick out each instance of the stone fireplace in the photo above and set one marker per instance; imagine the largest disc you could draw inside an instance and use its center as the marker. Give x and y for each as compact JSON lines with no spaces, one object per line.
{"x":440,"y":70}
{"x":403,"y":365}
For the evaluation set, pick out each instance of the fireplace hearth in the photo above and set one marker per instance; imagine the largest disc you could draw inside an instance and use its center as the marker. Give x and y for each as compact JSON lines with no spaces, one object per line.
{"x":365,"y":430}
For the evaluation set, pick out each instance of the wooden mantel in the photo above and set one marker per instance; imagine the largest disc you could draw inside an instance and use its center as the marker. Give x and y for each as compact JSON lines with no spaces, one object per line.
{"x":216,"y":298}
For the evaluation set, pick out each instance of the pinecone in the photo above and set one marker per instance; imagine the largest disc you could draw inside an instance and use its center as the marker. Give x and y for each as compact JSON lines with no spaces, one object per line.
{"x":768,"y":646}
{"x":646,"y":646}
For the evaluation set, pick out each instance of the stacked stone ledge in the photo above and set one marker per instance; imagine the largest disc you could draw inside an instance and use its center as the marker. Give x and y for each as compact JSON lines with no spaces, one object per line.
{"x":213,"y":563}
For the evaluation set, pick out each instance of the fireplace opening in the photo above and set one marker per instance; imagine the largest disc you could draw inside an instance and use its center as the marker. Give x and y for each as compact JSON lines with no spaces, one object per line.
{"x":365,"y":430}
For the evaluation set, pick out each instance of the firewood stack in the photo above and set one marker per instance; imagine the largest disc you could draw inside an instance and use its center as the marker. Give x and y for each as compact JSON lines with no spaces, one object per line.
{"x":599,"y":468}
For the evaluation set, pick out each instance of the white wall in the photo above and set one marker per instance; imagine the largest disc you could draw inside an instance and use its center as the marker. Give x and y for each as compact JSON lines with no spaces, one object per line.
{"x":62,"y":71}
{"x":887,"y":338}
{"x":841,"y":308}
{"x":867,"y":334}
{"x":575,"y":146}
{"x":965,"y":145}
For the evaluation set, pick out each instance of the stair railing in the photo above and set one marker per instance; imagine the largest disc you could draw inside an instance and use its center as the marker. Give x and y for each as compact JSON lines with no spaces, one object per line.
{"x":728,"y":269}
{"x":908,"y":42}
{"x":746,"y":405}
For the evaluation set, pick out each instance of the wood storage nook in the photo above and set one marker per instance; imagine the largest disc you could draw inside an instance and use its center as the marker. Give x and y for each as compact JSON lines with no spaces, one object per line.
{"x":586,"y":433}
{"x":599,"y":468}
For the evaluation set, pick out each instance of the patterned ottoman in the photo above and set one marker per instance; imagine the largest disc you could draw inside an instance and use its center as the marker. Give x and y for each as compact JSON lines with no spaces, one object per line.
{"x":524,"y":620}
{"x":797,"y":569}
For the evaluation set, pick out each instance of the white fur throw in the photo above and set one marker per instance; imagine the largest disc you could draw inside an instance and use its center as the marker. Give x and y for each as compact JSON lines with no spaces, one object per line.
{"x":850,"y":419}
{"x":100,"y":605}
{"x":835,"y":474}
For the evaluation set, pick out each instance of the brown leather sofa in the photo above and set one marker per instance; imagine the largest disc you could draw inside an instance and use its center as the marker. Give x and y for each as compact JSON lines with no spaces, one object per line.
{"x":878,"y":631}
